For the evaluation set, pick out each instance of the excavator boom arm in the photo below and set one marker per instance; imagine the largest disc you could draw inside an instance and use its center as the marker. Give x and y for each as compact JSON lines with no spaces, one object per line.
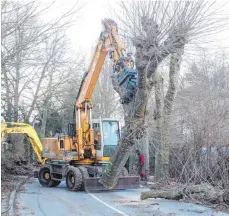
{"x":91,"y":76}
{"x":109,"y":42}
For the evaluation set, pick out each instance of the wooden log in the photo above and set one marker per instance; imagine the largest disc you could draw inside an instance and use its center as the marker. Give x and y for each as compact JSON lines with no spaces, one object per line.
{"x":174,"y":194}
{"x":204,"y":193}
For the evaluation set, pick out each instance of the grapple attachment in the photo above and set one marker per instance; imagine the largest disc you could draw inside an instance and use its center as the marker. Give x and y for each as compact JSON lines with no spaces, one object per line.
{"x":127,"y":182}
{"x":128,"y":80}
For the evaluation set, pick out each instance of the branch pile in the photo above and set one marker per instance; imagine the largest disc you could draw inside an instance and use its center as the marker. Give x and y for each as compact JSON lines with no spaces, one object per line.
{"x":203,"y":193}
{"x":15,"y":165}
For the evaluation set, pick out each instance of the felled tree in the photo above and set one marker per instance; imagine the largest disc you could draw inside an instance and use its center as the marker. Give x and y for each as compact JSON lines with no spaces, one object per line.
{"x":157,"y":29}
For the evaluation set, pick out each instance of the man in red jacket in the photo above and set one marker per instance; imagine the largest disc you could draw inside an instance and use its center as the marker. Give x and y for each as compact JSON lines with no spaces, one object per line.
{"x":141,"y":163}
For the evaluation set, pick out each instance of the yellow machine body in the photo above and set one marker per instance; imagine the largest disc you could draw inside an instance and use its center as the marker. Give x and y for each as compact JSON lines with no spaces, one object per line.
{"x":66,"y":148}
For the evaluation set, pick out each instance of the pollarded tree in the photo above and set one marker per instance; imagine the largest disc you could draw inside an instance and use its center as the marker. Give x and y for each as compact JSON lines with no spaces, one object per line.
{"x":158,"y":30}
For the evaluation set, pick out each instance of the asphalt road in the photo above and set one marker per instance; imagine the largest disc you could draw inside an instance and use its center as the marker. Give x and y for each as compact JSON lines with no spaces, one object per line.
{"x":36,"y":200}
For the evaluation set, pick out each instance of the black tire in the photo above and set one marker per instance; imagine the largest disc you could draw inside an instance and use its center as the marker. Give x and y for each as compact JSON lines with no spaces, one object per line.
{"x":124,"y":172}
{"x":43,"y":179}
{"x":85,"y":175}
{"x":74,"y":179}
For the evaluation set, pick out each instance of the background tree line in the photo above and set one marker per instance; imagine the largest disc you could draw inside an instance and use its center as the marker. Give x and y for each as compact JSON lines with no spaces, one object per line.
{"x":40,"y":72}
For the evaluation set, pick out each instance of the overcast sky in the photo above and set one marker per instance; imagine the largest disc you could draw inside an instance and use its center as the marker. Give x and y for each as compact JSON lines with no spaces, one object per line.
{"x":84,"y":33}
{"x":86,"y":30}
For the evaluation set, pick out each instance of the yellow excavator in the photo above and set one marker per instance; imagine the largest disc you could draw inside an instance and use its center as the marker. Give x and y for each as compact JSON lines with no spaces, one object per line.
{"x":81,"y":156}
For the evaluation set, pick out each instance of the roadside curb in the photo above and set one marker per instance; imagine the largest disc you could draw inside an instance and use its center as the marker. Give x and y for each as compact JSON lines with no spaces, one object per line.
{"x":12,"y":199}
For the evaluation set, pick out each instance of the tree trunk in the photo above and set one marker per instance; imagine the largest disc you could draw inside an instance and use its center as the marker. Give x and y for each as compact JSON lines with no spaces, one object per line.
{"x":17,"y":77}
{"x":44,"y":119}
{"x":174,"y":194}
{"x":146,"y":153}
{"x":118,"y":161}
{"x":17,"y":141}
{"x":159,"y":98}
{"x":132,"y":131}
{"x":8,"y":116}
{"x":175,"y":62}
{"x":163,"y":123}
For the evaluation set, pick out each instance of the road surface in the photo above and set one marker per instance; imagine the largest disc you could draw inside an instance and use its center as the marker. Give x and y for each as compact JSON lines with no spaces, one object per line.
{"x":36,"y":200}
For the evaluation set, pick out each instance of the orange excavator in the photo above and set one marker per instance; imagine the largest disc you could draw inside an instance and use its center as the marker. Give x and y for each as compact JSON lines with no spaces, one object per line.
{"x":81,"y":156}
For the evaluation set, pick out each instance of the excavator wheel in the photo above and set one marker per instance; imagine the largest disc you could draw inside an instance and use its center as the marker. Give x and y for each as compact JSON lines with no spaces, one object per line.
{"x":45,"y":180}
{"x":74,"y":179}
{"x":85,"y":175}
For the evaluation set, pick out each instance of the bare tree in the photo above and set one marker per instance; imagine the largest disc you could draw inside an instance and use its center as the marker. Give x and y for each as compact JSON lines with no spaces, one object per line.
{"x":158,"y":30}
{"x":61,"y":84}
{"x":26,"y":57}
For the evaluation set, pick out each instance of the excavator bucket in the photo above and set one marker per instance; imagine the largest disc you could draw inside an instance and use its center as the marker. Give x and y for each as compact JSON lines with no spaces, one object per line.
{"x":128,"y":182}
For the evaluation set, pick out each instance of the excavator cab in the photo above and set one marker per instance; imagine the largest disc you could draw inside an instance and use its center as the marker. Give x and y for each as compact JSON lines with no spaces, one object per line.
{"x":106,"y":135}
{"x":109,"y":130}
